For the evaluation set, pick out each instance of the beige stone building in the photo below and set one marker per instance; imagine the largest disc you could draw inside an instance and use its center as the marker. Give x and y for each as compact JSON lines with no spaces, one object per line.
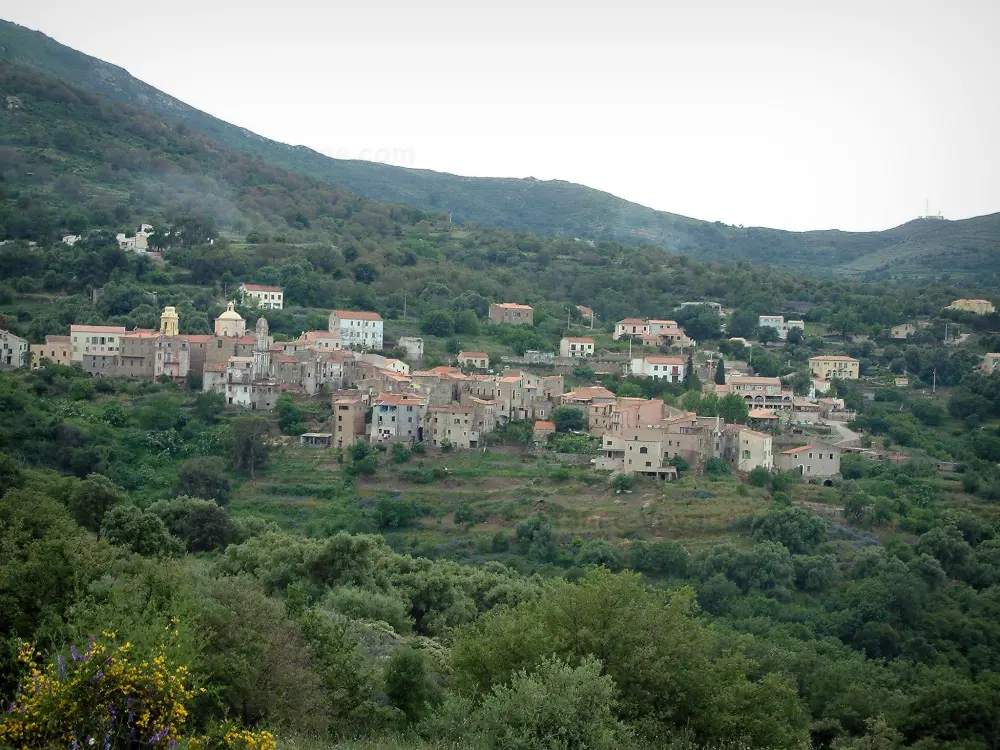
{"x":827,"y":366}
{"x":630,"y":327}
{"x":647,"y":436}
{"x":477,"y":360}
{"x":745,"y":449}
{"x":453,"y":425}
{"x":758,"y":392}
{"x":818,"y":459}
{"x":542,"y":430}
{"x":512,"y":313}
{"x":991,"y":364}
{"x":56,"y":349}
{"x":348,"y":418}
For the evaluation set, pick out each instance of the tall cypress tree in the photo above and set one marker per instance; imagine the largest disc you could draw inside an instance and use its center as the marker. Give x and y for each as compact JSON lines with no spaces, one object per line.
{"x":720,"y":372}
{"x":691,"y":380}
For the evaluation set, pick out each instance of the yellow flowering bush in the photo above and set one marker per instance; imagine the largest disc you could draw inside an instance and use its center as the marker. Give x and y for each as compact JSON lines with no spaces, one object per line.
{"x":104,"y":698}
{"x":108,"y":698}
{"x":231,"y":737}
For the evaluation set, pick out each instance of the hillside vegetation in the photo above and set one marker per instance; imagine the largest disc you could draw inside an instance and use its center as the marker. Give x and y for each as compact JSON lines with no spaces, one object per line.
{"x":962,"y":250}
{"x":77,"y":162}
{"x":173,"y":572}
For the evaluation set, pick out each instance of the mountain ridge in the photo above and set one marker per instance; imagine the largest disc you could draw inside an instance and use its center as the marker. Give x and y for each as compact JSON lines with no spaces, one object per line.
{"x":917,"y":249}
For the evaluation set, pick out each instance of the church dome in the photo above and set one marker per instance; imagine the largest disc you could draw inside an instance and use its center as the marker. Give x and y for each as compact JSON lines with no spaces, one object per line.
{"x":230,"y":313}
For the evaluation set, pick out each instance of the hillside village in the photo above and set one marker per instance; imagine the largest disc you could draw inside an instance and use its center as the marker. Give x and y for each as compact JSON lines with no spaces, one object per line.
{"x":284,"y":466}
{"x":384,"y":400}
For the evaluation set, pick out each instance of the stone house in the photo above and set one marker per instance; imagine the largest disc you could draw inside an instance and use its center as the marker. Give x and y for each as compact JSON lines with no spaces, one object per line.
{"x":818,"y":459}
{"x":56,"y":349}
{"x":512,"y":313}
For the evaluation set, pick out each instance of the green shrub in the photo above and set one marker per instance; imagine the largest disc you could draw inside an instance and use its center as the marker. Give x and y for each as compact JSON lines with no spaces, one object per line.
{"x":716,"y":467}
{"x":759,"y":477}
{"x":555,"y":706}
{"x":365,"y":604}
{"x":622,"y":482}
{"x":400,"y":453}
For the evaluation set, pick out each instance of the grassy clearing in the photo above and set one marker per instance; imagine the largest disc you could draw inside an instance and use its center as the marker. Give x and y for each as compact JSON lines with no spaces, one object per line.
{"x":305,"y":491}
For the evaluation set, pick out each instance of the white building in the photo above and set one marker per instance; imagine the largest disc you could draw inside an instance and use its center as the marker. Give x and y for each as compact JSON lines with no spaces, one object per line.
{"x":15,"y":351}
{"x":778,"y":323}
{"x":267,"y":297}
{"x":673,"y":369}
{"x":94,"y":340}
{"x":138,"y":243}
{"x":576,"y":346}
{"x":358,"y":329}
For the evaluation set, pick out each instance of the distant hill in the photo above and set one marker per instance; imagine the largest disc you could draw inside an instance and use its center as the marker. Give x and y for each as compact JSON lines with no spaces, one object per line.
{"x":961,"y":250}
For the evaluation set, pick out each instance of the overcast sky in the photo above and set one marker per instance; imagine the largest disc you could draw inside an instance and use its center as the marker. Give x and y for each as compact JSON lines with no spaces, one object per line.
{"x":785,"y":113}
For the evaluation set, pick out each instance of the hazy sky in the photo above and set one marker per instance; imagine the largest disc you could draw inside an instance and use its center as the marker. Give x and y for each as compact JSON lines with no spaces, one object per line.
{"x":786,"y":113}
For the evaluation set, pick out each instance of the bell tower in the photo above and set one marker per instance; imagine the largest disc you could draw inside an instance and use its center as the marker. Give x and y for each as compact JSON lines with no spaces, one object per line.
{"x":262,"y":351}
{"x":169,"y":322}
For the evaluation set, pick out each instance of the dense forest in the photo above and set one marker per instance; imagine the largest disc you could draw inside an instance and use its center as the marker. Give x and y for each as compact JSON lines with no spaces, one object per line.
{"x":144,"y":603}
{"x":114,"y":532}
{"x":963,"y":251}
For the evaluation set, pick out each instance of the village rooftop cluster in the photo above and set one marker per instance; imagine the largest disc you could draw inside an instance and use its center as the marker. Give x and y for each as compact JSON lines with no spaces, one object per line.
{"x":457,"y":406}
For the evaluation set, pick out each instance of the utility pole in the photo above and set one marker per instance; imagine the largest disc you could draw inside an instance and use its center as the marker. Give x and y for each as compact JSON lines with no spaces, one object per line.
{"x":934,"y":384}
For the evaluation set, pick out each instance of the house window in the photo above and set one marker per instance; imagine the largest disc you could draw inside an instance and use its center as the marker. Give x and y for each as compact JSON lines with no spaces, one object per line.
{"x":643,"y":450}
{"x":746,"y":454}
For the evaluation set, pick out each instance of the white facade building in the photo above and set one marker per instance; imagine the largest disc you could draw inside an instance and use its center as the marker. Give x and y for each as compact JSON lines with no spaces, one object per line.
{"x":15,"y":351}
{"x":673,"y":369}
{"x":267,"y":297}
{"x":358,"y":329}
{"x":778,"y":323}
{"x":94,"y":340}
{"x":576,"y":346}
